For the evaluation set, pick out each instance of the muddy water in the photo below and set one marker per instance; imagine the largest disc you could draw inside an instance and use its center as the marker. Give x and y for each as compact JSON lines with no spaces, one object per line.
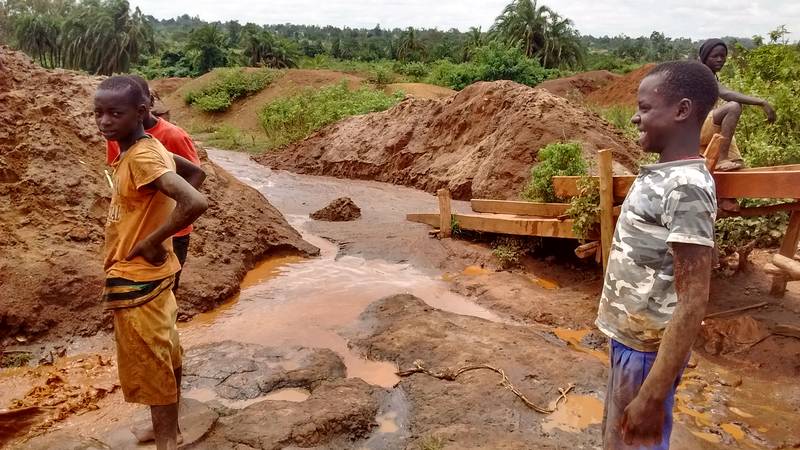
{"x":292,"y":302}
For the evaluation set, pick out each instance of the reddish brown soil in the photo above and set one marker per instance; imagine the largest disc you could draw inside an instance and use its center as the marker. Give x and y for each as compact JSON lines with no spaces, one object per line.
{"x":579,"y":85}
{"x":420,"y":90}
{"x":621,"y":91}
{"x":166,"y":86}
{"x":54,"y":200}
{"x":481,"y":142}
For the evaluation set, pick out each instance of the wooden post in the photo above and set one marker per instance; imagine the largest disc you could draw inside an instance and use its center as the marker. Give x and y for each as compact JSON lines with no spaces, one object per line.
{"x":606,"y":204}
{"x":788,"y":248}
{"x":444,"y":213}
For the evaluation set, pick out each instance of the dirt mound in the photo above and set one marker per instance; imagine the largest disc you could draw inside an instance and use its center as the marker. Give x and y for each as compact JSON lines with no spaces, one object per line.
{"x":166,"y":86}
{"x":420,"y":90}
{"x":243,"y":114}
{"x":579,"y":85}
{"x":340,"y":210}
{"x":621,"y":91}
{"x":54,"y":200}
{"x":481,"y":142}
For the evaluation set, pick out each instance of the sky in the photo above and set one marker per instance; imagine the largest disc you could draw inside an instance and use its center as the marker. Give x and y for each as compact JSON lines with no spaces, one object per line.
{"x":696,"y":19}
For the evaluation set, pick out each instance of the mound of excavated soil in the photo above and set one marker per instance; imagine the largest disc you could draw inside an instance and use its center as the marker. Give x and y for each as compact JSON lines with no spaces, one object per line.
{"x":340,"y":210}
{"x":579,"y":85}
{"x":53,"y":201}
{"x":481,"y":142}
{"x":621,"y":91}
{"x":243,"y":114}
{"x":166,"y":86}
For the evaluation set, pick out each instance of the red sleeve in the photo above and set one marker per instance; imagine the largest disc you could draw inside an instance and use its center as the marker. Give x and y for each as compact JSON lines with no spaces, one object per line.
{"x":178,"y":142}
{"x":112,"y":151}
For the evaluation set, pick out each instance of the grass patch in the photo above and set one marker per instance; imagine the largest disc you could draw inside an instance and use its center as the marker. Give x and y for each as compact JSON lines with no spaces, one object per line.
{"x":291,"y":119}
{"x":432,"y":443}
{"x":228,"y":137}
{"x":620,"y":117}
{"x":228,"y":86}
{"x":15,"y":359}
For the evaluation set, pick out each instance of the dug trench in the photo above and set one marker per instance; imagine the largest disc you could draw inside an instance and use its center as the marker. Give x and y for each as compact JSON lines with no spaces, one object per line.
{"x":307,"y":355}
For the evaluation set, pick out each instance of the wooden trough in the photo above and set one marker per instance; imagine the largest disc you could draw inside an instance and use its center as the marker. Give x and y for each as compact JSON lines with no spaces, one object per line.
{"x":549,"y":219}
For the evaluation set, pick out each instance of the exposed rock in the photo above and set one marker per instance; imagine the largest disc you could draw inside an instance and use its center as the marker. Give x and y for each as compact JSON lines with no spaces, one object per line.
{"x":240,"y":371}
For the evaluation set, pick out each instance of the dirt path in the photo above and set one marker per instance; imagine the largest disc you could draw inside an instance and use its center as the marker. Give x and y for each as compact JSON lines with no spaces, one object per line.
{"x":312,"y":327}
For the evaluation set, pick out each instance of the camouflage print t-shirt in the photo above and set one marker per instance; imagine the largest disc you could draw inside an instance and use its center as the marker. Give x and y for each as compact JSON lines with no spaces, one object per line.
{"x":668,"y":202}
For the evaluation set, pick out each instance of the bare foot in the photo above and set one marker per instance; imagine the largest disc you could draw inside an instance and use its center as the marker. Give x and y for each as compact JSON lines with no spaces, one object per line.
{"x":144,"y":433}
{"x":729,"y":166}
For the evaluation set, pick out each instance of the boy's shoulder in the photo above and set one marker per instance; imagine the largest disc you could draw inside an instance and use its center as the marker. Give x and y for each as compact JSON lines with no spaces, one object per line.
{"x":663,"y":178}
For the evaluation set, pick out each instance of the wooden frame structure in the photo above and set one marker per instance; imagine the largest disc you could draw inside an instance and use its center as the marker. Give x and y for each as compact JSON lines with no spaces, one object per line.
{"x":550,"y":220}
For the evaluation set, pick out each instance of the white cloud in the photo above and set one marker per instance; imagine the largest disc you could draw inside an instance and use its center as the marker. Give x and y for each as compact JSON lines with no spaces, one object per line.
{"x":690,"y":18}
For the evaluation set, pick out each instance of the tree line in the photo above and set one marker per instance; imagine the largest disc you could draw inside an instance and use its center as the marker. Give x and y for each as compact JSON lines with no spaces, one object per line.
{"x":107,"y":36}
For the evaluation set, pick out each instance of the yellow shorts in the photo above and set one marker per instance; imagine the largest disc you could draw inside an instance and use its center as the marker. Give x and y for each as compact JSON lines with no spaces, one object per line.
{"x":708,"y":131}
{"x":148,"y":350}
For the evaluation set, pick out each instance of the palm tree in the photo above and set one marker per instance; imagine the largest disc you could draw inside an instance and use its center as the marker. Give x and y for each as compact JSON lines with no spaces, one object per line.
{"x":474,"y":40}
{"x":37,"y":34}
{"x":209,"y":44}
{"x":410,"y":47}
{"x":522,"y":23}
{"x":263,"y":48}
{"x":540,"y":32}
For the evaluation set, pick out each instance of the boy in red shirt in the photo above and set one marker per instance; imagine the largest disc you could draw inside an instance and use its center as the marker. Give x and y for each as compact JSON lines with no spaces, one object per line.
{"x":176,"y":141}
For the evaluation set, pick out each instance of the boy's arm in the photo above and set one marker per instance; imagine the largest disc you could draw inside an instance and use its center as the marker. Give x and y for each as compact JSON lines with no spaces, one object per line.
{"x":190,"y":172}
{"x":644,"y":417}
{"x":733,"y":96}
{"x":190,"y":204}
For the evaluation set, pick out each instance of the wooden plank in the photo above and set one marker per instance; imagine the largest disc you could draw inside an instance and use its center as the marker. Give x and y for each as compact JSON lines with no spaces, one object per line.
{"x":788,"y":265}
{"x":431,"y":219}
{"x":586,"y":250}
{"x":606,"y":204}
{"x":788,"y":248}
{"x":482,"y":205}
{"x":505,"y":224}
{"x":739,"y":184}
{"x":445,"y":220}
{"x":763,"y":210}
{"x":784,"y":168}
{"x":517,"y":225}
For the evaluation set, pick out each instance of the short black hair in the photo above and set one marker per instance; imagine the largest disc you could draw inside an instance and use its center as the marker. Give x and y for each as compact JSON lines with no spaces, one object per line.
{"x":143,"y":86}
{"x":689,"y":79}
{"x":125,"y":84}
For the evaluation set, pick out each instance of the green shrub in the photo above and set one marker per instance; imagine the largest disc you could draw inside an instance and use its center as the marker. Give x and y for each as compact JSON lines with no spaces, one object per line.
{"x":771,"y":72}
{"x":556,"y":159}
{"x":584,"y":209}
{"x":620,"y":117}
{"x":733,"y":233}
{"x":291,"y":119}
{"x":416,"y":71}
{"x":381,"y":76}
{"x":228,"y":86}
{"x":491,"y":62}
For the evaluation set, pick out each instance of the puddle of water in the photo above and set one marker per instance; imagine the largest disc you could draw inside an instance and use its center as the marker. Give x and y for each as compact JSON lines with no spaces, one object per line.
{"x":573,"y":338}
{"x":708,"y":437}
{"x":475,"y":271}
{"x":577,"y":414}
{"x":387,"y":423}
{"x":545,"y":283}
{"x":307,"y":303}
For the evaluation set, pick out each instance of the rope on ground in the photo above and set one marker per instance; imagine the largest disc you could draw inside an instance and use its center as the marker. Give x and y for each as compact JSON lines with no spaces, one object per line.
{"x":450,"y":375}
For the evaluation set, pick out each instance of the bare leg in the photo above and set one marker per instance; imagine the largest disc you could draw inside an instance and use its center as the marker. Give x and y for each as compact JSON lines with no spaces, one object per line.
{"x":727,"y":118}
{"x":146,"y":433}
{"x":165,"y":426}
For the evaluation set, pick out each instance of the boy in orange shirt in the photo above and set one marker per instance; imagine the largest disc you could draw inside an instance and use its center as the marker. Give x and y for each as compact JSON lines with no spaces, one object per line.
{"x":149,"y":204}
{"x":176,"y":141}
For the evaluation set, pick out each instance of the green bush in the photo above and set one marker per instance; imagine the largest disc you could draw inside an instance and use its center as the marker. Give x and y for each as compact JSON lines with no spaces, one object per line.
{"x":771,"y":72}
{"x":228,"y":86}
{"x":491,"y":62}
{"x":291,"y":119}
{"x":381,"y":76}
{"x":416,"y":71}
{"x":556,"y":159}
{"x":733,"y":233}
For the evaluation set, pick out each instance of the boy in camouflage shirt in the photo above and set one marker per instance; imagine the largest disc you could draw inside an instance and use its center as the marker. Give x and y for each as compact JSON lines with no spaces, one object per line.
{"x":656,"y":286}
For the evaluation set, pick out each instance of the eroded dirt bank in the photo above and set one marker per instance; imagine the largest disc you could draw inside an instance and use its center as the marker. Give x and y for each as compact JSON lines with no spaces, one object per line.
{"x":481,"y":142}
{"x":54,"y":201}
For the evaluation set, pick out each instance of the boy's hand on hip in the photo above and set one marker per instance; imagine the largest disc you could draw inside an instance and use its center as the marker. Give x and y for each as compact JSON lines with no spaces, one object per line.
{"x":152,"y":252}
{"x":643,"y":422}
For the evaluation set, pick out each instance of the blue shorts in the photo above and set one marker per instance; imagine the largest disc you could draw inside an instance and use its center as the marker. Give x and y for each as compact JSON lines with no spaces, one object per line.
{"x":629,"y":368}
